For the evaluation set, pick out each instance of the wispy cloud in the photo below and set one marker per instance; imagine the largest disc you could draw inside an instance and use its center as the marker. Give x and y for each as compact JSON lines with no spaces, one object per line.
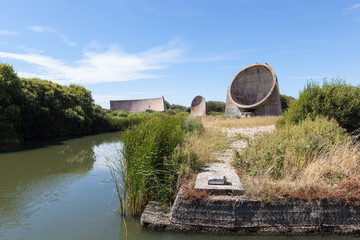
{"x":7,"y":33}
{"x":112,"y":65}
{"x":354,"y":10}
{"x":64,"y":38}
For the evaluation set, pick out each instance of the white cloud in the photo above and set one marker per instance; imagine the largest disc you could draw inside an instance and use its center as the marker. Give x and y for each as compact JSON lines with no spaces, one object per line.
{"x":112,"y":65}
{"x":7,"y":33}
{"x":64,"y":38}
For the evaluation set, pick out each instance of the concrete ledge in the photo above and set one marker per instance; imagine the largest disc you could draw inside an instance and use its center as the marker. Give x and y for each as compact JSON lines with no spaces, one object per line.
{"x":242,"y":215}
{"x":233,"y":187}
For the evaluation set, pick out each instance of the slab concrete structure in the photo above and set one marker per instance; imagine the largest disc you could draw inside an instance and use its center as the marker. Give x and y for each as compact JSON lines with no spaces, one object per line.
{"x":139,"y":105}
{"x":232,"y":185}
{"x":198,"y":106}
{"x":254,"y":91}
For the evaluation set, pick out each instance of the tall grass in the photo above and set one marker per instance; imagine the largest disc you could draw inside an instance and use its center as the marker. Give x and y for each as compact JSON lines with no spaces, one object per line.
{"x":314,"y":159}
{"x":287,"y":151}
{"x":155,"y":157}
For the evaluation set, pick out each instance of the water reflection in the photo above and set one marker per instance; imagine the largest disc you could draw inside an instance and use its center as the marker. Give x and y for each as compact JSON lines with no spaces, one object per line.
{"x":37,"y":179}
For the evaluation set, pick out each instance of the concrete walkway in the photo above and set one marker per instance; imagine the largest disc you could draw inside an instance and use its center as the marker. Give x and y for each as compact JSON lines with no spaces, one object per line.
{"x":233,"y":185}
{"x":223,"y":167}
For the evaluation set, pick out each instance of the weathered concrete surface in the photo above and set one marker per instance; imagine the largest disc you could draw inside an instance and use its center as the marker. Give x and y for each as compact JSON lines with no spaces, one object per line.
{"x":153,"y":217}
{"x":254,"y":91}
{"x":198,"y":106}
{"x":139,"y":105}
{"x":233,"y":186}
{"x":242,"y":215}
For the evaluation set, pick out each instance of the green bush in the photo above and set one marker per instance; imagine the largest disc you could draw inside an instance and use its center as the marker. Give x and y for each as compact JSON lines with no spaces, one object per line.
{"x":119,"y":113}
{"x":194,"y":125}
{"x":288,"y":150}
{"x":334,"y":99}
{"x":285,"y":101}
{"x":215,"y":106}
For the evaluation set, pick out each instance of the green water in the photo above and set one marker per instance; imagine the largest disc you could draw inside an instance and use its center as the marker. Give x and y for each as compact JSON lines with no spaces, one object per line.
{"x":63,"y":190}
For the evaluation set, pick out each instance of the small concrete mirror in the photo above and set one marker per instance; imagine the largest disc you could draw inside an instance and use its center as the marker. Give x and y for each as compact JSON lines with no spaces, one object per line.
{"x":198,"y":106}
{"x":217,"y":180}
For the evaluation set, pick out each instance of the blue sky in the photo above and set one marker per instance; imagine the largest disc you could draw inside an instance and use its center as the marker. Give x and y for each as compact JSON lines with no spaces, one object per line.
{"x":130,"y":49}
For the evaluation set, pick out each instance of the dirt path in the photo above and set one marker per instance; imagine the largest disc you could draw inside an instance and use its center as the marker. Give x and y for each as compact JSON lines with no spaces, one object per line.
{"x":227,"y":155}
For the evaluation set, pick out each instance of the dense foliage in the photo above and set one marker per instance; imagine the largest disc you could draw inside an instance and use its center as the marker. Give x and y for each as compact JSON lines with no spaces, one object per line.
{"x":10,"y":98}
{"x":215,"y":107}
{"x":285,"y":101}
{"x":155,"y":159}
{"x":173,"y":109}
{"x":334,"y":99}
{"x":39,"y":109}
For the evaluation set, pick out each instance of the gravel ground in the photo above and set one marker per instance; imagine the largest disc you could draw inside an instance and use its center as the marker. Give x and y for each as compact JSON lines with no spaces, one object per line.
{"x":227,"y":155}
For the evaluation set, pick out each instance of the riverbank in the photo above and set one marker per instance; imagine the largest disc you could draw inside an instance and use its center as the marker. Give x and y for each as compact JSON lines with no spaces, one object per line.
{"x":261,"y":209}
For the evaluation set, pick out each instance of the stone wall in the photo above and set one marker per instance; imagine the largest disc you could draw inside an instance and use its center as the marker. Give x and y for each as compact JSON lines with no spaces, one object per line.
{"x":242,"y":215}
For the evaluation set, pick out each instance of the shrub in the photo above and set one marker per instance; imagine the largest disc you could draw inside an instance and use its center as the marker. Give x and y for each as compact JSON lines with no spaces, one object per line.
{"x":215,"y":106}
{"x":119,"y":113}
{"x":334,"y":99}
{"x":194,"y":125}
{"x":285,"y":101}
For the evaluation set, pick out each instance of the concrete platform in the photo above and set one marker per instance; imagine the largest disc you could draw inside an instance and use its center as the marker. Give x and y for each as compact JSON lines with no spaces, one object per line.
{"x":233,"y":187}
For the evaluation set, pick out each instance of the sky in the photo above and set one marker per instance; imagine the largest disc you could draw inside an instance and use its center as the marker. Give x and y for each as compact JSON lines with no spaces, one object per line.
{"x":135,"y":49}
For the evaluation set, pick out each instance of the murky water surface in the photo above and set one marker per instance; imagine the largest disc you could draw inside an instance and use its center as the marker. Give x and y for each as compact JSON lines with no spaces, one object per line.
{"x":63,"y":190}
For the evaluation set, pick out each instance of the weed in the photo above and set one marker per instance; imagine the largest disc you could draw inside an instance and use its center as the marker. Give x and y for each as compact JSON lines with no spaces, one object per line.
{"x":192,"y":195}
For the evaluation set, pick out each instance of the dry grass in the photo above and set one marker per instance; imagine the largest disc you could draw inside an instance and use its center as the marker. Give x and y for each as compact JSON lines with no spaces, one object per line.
{"x":342,"y":161}
{"x":234,"y":122}
{"x":334,"y":174}
{"x":213,"y":140}
{"x":206,"y":144}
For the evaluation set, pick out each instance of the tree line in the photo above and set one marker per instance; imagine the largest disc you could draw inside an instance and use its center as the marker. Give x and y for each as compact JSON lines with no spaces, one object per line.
{"x":40,"y":109}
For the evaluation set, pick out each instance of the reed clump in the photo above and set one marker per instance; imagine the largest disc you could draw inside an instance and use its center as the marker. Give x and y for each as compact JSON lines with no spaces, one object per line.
{"x":155,"y":158}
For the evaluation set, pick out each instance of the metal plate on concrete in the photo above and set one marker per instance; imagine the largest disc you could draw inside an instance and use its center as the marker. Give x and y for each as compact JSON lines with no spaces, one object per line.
{"x":233,"y":185}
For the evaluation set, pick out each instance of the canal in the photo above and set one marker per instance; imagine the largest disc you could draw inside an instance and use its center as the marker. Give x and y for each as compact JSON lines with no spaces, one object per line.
{"x":63,"y":190}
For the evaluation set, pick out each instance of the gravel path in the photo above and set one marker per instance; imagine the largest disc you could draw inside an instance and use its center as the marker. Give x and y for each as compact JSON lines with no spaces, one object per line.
{"x":227,"y":155}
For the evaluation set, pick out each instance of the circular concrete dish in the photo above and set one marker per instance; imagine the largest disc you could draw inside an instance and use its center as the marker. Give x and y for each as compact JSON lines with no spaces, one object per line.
{"x":198,"y":106}
{"x":252,"y":86}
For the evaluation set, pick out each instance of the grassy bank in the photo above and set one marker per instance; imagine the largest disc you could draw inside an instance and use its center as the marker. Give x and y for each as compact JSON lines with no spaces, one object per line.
{"x":313,"y":159}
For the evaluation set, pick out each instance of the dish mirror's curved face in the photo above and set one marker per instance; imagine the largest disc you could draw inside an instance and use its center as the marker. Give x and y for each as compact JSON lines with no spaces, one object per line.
{"x":252,"y":85}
